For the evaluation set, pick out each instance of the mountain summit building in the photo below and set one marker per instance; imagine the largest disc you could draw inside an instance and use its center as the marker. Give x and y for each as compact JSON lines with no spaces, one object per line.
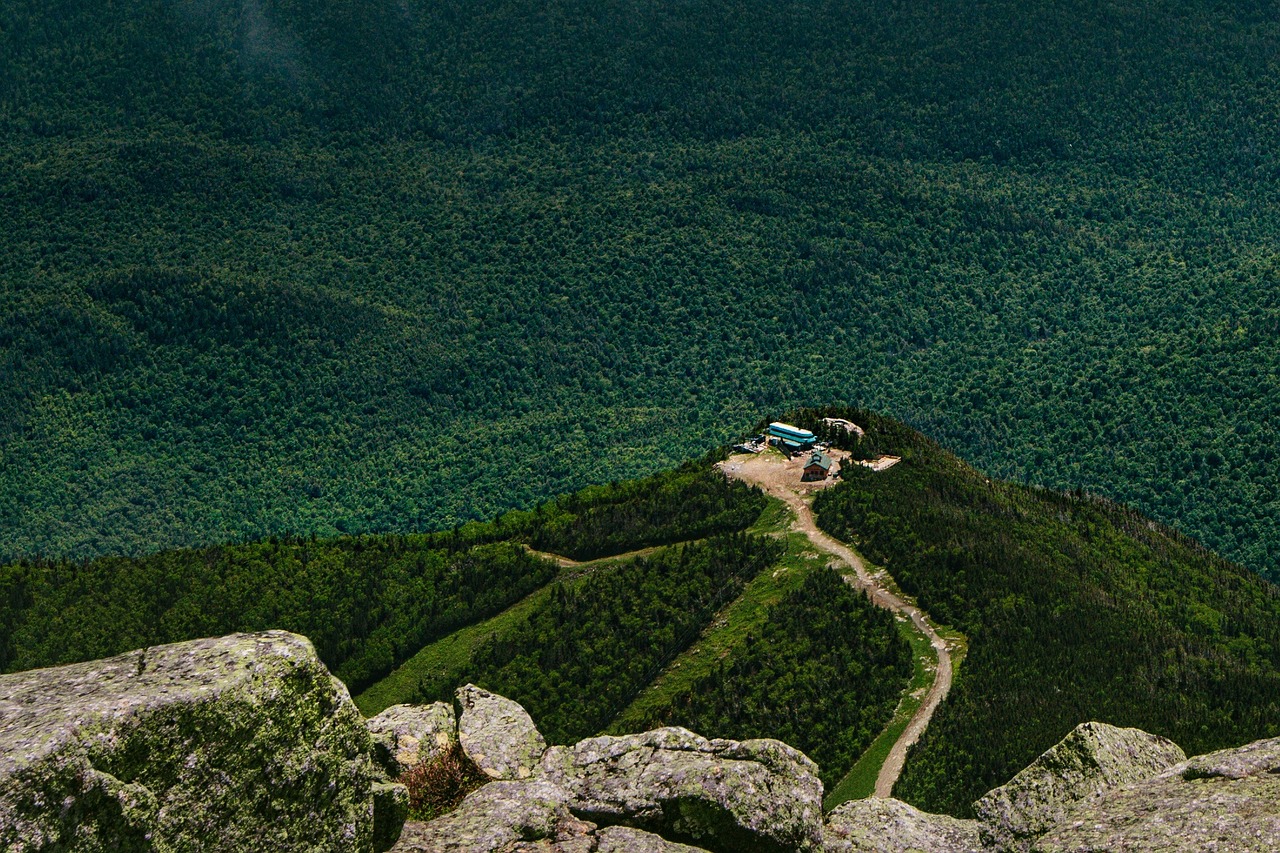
{"x":789,"y":437}
{"x":818,"y":467}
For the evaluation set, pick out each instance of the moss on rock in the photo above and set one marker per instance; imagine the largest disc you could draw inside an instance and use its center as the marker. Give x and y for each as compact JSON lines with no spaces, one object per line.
{"x":234,"y":743}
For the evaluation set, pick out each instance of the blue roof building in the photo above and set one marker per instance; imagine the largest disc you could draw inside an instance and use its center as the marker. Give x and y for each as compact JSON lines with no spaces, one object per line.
{"x":791,"y":436}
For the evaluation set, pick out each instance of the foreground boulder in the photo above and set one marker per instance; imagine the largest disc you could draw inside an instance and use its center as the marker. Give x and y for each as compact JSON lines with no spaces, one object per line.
{"x":1225,"y":801}
{"x":494,"y":817}
{"x":498,"y":735}
{"x":524,"y":817}
{"x":243,"y":742}
{"x":891,"y":826}
{"x":1092,"y":758}
{"x":622,"y":839}
{"x":722,"y":795}
{"x":406,"y":735}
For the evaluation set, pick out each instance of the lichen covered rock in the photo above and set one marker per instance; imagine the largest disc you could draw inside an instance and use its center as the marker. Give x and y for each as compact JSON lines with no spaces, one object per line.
{"x":1092,"y":758}
{"x":405,"y":735}
{"x":723,"y":795}
{"x":243,"y":742}
{"x":525,"y":817}
{"x":623,"y":839}
{"x":891,"y":826}
{"x":495,"y":817}
{"x":1223,"y":801}
{"x":390,"y":811}
{"x":498,"y":735}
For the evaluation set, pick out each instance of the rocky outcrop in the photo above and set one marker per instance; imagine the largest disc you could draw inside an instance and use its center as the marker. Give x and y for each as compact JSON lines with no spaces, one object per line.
{"x":649,"y":792}
{"x":1092,"y":758}
{"x":405,"y":735}
{"x":1100,"y":788}
{"x":390,"y":811}
{"x":1223,"y":801}
{"x":498,"y":735}
{"x":622,"y":839}
{"x":243,"y":742}
{"x":247,"y":743}
{"x":722,"y":795}
{"x":891,"y":826}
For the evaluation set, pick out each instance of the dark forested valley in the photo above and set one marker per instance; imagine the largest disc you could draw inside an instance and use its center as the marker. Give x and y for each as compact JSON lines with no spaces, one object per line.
{"x":281,"y":268}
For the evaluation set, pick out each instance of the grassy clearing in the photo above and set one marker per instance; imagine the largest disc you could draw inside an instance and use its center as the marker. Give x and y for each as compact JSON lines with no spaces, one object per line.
{"x":732,"y":625}
{"x":453,"y":652}
{"x":446,"y":653}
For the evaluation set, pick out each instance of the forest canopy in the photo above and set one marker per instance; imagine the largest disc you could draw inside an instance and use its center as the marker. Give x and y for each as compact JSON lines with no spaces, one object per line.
{"x":289,"y":268}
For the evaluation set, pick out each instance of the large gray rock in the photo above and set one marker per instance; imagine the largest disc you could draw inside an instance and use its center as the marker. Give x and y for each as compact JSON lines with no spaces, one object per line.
{"x":623,"y":839}
{"x":1226,"y":801}
{"x":525,"y":817}
{"x":891,"y":826}
{"x":723,"y":795}
{"x":243,"y":742}
{"x":498,"y":735}
{"x":494,"y":817}
{"x":390,"y":811}
{"x":405,"y":735}
{"x":611,"y":839}
{"x":1089,"y":760}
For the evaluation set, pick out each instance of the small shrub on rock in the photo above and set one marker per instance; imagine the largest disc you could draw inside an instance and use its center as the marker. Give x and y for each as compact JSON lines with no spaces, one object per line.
{"x":437,"y":786}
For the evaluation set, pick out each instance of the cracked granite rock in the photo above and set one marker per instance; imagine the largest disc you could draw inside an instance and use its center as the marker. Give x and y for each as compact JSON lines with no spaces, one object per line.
{"x":877,"y":825}
{"x":525,"y":817}
{"x":1093,"y":758}
{"x":498,"y":735}
{"x":407,"y":735}
{"x":723,"y":795}
{"x":1227,"y":801}
{"x":244,"y":742}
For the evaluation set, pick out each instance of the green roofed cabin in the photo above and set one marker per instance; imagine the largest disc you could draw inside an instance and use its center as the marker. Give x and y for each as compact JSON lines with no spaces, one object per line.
{"x":818,"y":467}
{"x":789,"y":437}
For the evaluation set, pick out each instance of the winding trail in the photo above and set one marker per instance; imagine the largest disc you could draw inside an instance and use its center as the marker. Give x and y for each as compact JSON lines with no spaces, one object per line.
{"x":776,"y":477}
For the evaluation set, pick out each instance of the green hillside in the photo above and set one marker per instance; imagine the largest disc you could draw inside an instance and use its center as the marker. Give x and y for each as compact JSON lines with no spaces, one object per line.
{"x":797,"y":653}
{"x":274,"y":267}
{"x":367,"y":602}
{"x":1076,"y":609}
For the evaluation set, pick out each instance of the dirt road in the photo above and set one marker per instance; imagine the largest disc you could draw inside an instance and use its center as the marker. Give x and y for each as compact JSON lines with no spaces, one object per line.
{"x":781,"y":479}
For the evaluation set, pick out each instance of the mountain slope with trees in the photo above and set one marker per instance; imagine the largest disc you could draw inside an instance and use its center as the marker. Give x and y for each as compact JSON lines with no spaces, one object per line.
{"x":367,"y":602}
{"x":1075,"y":608}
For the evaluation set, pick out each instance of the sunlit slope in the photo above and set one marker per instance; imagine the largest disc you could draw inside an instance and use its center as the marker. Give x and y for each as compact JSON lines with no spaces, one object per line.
{"x":365,"y":267}
{"x":1076,"y":609}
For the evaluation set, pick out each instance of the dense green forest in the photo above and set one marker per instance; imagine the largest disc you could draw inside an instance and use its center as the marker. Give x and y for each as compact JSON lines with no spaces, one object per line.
{"x":690,"y":502}
{"x":1075,"y":608}
{"x":577,"y":662}
{"x":824,"y":676}
{"x":367,"y":602}
{"x":274,"y":267}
